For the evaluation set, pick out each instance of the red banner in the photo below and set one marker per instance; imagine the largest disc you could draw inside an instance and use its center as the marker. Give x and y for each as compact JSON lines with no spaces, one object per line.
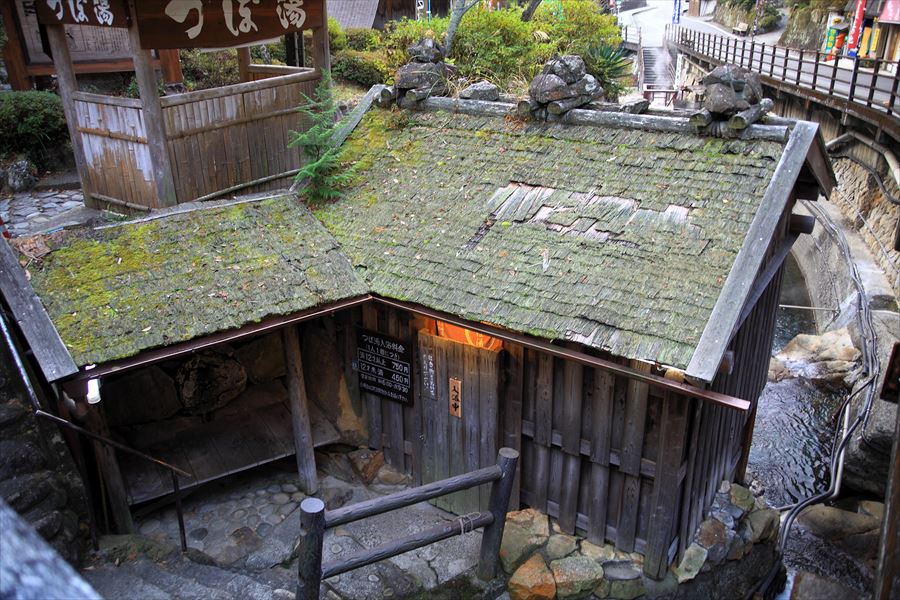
{"x":856,"y":27}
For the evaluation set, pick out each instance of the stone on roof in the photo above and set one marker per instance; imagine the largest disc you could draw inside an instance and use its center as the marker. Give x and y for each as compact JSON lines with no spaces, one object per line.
{"x":114,"y":292}
{"x":619,"y":239}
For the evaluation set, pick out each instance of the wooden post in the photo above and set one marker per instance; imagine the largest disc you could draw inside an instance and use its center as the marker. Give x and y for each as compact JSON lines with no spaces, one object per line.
{"x":497,"y":506}
{"x":244,"y":62}
{"x":153,"y":118}
{"x":13,"y":55}
{"x":67,"y":85}
{"x":170,"y":64}
{"x":321,"y":53}
{"x":95,"y":422}
{"x":887,"y":581}
{"x":303,"y":442}
{"x":312,"y":535}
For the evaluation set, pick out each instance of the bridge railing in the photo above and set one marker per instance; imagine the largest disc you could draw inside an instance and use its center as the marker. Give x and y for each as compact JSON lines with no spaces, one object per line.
{"x":870,"y":82}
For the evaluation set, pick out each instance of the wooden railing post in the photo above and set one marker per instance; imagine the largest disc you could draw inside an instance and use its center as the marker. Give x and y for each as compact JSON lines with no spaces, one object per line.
{"x":893,"y":97}
{"x":498,"y":505}
{"x":816,"y":70}
{"x":852,"y":91}
{"x":312,"y":536}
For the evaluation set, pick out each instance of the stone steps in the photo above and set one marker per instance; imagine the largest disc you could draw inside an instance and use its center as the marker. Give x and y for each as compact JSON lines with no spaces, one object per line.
{"x":179,"y":578}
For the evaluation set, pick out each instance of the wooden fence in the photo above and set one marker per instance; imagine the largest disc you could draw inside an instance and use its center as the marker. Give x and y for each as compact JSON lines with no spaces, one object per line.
{"x":232,"y":139}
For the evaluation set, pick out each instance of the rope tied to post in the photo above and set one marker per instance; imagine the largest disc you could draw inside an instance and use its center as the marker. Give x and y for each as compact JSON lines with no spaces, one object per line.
{"x":467,"y":523}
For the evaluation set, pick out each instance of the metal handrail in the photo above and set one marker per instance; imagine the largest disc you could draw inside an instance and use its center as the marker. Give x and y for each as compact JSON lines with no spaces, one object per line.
{"x":39,"y":412}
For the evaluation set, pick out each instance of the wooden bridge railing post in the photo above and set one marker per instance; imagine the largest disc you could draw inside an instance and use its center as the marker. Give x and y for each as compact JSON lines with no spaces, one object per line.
{"x":892,"y":99}
{"x":873,"y":83}
{"x":799,"y":68}
{"x":784,"y":64}
{"x":772,"y":62}
{"x":834,"y":72}
{"x":753,"y":54}
{"x":497,"y":506}
{"x":816,"y":69}
{"x":853,"y":77}
{"x":312,"y":536}
{"x":744,"y":51}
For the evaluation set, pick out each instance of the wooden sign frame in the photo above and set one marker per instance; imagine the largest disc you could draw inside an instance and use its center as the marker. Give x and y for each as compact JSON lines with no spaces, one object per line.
{"x":100,"y":13}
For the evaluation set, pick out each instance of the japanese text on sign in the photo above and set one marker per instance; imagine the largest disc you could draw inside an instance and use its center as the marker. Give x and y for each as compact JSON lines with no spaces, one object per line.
{"x":384,"y":365}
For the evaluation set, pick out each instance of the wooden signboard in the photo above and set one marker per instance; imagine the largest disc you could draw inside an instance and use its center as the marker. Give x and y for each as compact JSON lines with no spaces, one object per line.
{"x":101,"y":13}
{"x":385,"y":366}
{"x":91,"y":43}
{"x":222,"y":23}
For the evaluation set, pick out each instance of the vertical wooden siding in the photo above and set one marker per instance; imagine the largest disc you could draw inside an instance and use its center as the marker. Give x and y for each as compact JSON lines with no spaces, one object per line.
{"x":115,"y":148}
{"x":221,"y":138}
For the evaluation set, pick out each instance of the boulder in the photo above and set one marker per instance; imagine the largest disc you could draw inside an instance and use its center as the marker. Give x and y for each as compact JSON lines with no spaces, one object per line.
{"x":857,"y":533}
{"x":809,"y":586}
{"x":388,"y":475}
{"x":262,"y":358}
{"x":575,"y":576}
{"x":711,"y":533}
{"x":20,"y":176}
{"x":764,"y":524}
{"x":867,"y":461}
{"x":140,"y":396}
{"x":483,"y":90}
{"x":366,"y":463}
{"x":626,"y":589}
{"x":827,"y":358}
{"x":546,"y":88}
{"x":570,"y":68}
{"x":691,"y":563}
{"x":636,"y":107}
{"x":621,"y":570}
{"x":532,"y":581}
{"x":208,"y":381}
{"x":601,"y":554}
{"x":417,"y":75}
{"x":586,"y":86}
{"x":426,"y":50}
{"x":722,"y":99}
{"x":525,"y":531}
{"x":871,"y":508}
{"x":742,"y":498}
{"x":336,"y":464}
{"x":560,"y":546}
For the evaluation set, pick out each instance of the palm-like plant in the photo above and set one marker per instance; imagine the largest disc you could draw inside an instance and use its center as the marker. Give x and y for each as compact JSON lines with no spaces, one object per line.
{"x":610,"y":66}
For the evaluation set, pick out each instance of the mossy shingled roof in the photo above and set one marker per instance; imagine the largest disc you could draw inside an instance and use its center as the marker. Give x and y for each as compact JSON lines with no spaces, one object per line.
{"x":620,"y":239}
{"x":116,"y":291}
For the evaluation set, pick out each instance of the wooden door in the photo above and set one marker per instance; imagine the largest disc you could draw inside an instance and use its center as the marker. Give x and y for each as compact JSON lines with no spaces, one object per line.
{"x":458,"y":391}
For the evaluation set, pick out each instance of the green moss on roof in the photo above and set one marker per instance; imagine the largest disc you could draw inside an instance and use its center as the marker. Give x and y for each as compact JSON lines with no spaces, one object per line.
{"x":114,"y":292}
{"x":625,"y":249}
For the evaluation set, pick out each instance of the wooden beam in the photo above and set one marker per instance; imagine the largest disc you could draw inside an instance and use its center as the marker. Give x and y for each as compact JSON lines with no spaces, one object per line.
{"x":321,"y":52}
{"x":90,"y":66}
{"x":66,"y":86}
{"x":725,"y":315}
{"x":887,"y":580}
{"x":145,"y":75}
{"x":244,"y":62}
{"x":170,"y":65}
{"x":303,"y":442}
{"x":34,"y":323}
{"x":113,"y":482}
{"x":13,"y":53}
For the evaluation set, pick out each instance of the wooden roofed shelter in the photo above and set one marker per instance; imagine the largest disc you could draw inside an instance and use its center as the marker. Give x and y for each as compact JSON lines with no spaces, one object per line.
{"x":154,"y":151}
{"x":597,"y":292}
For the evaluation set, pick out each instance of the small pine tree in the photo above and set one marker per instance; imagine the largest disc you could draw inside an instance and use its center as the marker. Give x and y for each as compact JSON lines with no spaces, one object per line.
{"x":322,"y":168}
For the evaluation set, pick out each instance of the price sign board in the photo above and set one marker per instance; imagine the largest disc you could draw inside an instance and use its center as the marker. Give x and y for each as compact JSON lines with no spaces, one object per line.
{"x":384,"y":365}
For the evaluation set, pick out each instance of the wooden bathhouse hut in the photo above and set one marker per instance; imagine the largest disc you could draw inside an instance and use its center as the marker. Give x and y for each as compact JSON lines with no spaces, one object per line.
{"x":597,"y":292}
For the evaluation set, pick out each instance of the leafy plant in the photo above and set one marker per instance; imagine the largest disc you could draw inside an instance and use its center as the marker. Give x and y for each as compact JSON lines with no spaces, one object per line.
{"x":363,"y":39}
{"x":323,"y":171}
{"x":574,"y":26}
{"x":493,"y":44}
{"x":337,"y":39}
{"x":610,"y":66}
{"x":203,"y":70}
{"x":33,"y":124}
{"x":400,"y":35}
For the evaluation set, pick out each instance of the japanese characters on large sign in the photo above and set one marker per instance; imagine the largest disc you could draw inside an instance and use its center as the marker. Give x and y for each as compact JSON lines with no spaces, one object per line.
{"x":102,"y":13}
{"x":222,"y":23}
{"x":385,"y":366}
{"x":92,"y":43}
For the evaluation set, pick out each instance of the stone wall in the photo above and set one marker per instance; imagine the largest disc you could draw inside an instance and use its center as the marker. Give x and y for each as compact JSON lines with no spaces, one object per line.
{"x":805,"y":29}
{"x":37,"y":476}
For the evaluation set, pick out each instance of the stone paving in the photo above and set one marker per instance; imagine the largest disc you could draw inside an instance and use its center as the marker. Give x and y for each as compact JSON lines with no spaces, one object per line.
{"x":30,"y":212}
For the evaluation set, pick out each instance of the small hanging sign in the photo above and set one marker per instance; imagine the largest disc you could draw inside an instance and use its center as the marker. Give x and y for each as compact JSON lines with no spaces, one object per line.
{"x":456,"y":398}
{"x":384,"y":366}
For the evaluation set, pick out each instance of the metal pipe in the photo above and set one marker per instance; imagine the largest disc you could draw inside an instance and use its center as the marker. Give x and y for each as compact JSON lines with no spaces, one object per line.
{"x":889,"y":157}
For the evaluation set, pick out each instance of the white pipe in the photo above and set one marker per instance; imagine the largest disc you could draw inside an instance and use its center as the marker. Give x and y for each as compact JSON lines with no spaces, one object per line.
{"x":889,"y":157}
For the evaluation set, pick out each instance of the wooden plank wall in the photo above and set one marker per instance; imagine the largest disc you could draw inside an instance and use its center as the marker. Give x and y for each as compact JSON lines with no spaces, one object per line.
{"x":593,"y":447}
{"x":235,"y":134}
{"x":115,"y":148}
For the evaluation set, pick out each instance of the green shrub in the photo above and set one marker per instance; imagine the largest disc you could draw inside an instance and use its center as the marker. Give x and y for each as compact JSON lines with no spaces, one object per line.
{"x":400,"y":35}
{"x":204,"y":70}
{"x":495,"y":45}
{"x":337,"y":39}
{"x":363,"y":39}
{"x":33,"y":124}
{"x":269,"y":54}
{"x":575,"y":26}
{"x":363,"y":68}
{"x":611,"y":67}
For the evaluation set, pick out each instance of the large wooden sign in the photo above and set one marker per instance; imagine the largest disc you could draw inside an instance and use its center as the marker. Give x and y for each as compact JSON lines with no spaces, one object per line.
{"x":102,"y":13}
{"x":385,"y":366}
{"x":222,"y":23}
